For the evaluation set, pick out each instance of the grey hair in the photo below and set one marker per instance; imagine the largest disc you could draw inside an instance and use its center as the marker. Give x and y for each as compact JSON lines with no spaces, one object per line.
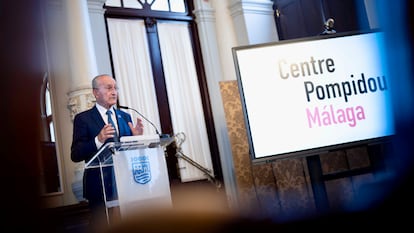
{"x":95,"y":80}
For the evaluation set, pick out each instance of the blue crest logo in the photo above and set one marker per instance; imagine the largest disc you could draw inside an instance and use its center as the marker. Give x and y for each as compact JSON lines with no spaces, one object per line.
{"x":141,"y":170}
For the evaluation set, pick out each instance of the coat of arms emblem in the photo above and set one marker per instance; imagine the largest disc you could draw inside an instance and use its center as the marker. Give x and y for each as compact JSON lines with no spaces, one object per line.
{"x":141,"y":170}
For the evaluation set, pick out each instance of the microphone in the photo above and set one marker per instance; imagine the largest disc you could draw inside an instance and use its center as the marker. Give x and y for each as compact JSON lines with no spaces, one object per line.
{"x":156,"y":130}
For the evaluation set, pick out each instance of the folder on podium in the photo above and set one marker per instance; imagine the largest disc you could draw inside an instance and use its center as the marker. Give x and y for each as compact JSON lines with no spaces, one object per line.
{"x":140,"y":170}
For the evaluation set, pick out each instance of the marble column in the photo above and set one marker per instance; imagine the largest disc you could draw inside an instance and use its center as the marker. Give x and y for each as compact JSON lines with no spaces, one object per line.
{"x":82,"y":57}
{"x":206,"y":19}
{"x":250,"y":18}
{"x":83,"y":67}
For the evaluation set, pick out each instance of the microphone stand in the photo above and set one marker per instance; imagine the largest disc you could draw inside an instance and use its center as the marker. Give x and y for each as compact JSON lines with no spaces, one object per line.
{"x":156,"y":130}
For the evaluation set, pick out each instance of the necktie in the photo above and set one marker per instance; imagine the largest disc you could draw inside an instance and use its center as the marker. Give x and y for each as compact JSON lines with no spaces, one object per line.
{"x":109,"y":113}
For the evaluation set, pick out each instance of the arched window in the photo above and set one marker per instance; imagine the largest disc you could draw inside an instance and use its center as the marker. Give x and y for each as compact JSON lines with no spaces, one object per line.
{"x":46,"y":111}
{"x":49,"y":167}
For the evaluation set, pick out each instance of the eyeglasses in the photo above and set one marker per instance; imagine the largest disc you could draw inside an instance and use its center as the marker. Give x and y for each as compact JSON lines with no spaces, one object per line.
{"x":109,"y":88}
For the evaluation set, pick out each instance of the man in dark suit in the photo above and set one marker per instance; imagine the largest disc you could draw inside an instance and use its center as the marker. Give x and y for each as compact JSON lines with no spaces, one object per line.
{"x":91,"y":130}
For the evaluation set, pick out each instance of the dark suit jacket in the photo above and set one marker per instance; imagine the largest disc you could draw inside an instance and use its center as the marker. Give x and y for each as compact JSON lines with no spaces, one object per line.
{"x":86,"y":127}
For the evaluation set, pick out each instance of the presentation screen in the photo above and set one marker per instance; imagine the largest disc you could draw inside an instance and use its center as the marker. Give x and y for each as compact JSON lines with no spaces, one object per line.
{"x":307,"y":96}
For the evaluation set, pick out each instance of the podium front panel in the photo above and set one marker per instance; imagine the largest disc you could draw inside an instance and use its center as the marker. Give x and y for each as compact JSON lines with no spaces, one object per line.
{"x":142,"y":179}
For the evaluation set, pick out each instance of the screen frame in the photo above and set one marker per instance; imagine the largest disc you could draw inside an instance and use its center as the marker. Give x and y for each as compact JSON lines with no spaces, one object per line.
{"x":305,"y":152}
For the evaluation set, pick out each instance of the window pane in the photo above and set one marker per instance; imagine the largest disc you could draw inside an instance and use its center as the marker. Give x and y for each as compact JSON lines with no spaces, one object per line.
{"x":132,"y":4}
{"x":160,"y":5}
{"x":177,"y":6}
{"x":52,"y":132}
{"x":113,"y":3}
{"x":48,"y":102}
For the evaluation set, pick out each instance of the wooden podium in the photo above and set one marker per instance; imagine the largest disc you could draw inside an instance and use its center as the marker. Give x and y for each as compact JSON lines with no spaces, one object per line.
{"x":140,"y":170}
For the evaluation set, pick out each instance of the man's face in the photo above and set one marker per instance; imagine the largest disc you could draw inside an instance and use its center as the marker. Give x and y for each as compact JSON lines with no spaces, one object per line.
{"x":106,"y":93}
